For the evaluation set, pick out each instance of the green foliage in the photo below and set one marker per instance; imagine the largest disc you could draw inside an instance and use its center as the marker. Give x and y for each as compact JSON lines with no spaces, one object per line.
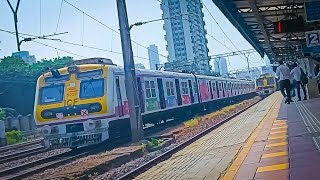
{"x":2,"y":114}
{"x":18,"y":81}
{"x":13,"y":137}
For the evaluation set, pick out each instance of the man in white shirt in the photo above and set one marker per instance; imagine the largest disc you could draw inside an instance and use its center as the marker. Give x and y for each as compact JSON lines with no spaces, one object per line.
{"x":283,"y":72}
{"x":296,"y":73}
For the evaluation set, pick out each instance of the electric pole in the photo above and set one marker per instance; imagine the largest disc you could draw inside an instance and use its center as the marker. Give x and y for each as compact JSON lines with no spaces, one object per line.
{"x":15,"y":17}
{"x":130,"y":75}
{"x":247,"y":58}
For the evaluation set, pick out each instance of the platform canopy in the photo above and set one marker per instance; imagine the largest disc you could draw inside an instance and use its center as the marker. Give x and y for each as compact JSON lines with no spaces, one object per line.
{"x":255,"y":21}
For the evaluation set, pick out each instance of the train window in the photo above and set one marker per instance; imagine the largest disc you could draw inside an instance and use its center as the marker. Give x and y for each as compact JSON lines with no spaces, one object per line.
{"x":91,"y":88}
{"x":213,"y":86}
{"x":150,"y":89}
{"x":184,"y":87}
{"x":51,"y":94}
{"x":170,"y":88}
{"x":195,"y":87}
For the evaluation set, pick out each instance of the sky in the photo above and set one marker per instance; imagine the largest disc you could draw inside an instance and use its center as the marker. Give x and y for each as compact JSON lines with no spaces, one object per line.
{"x":41,"y":17}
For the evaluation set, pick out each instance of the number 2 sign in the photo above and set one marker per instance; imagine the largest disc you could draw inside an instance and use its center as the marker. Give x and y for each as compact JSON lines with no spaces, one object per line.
{"x":313,"y":38}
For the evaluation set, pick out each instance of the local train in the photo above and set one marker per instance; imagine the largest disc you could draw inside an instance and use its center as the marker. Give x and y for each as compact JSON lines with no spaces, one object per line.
{"x":266,"y":84}
{"x":86,"y":103}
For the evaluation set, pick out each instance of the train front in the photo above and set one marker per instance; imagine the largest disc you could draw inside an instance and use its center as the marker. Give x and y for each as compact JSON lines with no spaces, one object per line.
{"x":70,"y":106}
{"x":266,"y":84}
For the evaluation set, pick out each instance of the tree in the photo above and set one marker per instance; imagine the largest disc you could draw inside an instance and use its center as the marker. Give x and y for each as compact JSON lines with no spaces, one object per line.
{"x":18,"y":81}
{"x":2,"y":114}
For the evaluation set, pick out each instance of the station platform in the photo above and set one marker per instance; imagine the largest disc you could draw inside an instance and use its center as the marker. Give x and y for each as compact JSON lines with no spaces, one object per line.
{"x":271,"y":140}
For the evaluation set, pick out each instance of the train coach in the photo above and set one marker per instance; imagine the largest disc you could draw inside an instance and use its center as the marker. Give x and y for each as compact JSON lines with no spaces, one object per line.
{"x":86,"y":103}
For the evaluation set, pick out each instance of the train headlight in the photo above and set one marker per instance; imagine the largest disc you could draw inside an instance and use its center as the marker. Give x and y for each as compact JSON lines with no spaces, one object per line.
{"x":47,"y":114}
{"x":46,"y":130}
{"x":55,"y":130}
{"x":95,"y":107}
{"x":89,"y":124}
{"x":98,"y":123}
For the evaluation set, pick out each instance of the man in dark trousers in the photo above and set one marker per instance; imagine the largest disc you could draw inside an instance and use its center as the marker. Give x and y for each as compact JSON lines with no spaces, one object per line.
{"x":296,"y":73}
{"x":283,"y":72}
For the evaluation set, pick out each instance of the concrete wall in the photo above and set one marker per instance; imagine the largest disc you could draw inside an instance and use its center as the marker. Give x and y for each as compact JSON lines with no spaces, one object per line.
{"x":22,"y":123}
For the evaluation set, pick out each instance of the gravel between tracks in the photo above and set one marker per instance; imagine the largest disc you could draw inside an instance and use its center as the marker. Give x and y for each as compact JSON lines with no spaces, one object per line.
{"x":25,"y":160}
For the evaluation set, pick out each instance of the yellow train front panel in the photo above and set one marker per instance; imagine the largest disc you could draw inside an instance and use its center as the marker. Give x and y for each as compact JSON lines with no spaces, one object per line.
{"x":70,"y":105}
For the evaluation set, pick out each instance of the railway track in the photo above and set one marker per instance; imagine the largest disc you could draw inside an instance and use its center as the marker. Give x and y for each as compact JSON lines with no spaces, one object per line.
{"x":19,"y":146}
{"x":144,"y":167}
{"x":36,"y":166}
{"x":22,"y":153}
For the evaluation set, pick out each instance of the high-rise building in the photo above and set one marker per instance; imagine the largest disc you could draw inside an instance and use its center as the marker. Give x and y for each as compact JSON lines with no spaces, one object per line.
{"x":24,"y":55}
{"x":267,"y":70}
{"x":186,"y":36}
{"x":255,"y":72}
{"x":220,"y":66}
{"x":153,"y":57}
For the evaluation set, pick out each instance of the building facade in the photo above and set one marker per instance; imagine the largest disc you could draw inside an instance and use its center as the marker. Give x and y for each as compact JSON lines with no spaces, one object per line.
{"x":255,"y":72}
{"x":24,"y":55}
{"x":185,"y":36}
{"x":139,"y":66}
{"x":220,"y":66}
{"x":154,"y":60}
{"x":267,"y":70}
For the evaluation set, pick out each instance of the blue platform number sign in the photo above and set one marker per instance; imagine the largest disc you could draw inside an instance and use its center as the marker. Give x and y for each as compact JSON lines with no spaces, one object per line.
{"x":312,"y":10}
{"x":313,"y":38}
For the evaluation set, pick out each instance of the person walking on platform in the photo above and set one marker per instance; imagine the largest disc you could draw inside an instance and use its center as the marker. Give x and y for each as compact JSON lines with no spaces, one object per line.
{"x":317,"y":73}
{"x":283,"y":72}
{"x":297,"y":74}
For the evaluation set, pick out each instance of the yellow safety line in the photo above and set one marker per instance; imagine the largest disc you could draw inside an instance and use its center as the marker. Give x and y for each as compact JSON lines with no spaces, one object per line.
{"x":277,"y":144}
{"x":277,"y":154}
{"x":276,"y":128}
{"x":273,"y":167}
{"x":232,"y":170}
{"x":277,"y":137}
{"x":278,"y":132}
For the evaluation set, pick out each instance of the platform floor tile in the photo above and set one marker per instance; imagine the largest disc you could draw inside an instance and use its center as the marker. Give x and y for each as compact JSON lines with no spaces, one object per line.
{"x":208,"y":157}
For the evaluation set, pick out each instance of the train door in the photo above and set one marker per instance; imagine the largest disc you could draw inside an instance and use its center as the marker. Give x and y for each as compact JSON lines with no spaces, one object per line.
{"x":191,"y":91}
{"x":229,"y":89}
{"x":119,"y":98}
{"x":196,"y":92}
{"x":140,"y":92}
{"x":217,"y":87}
{"x":210,"y":86}
{"x":178,"y":92}
{"x":161,"y":94}
{"x":222,"y":87}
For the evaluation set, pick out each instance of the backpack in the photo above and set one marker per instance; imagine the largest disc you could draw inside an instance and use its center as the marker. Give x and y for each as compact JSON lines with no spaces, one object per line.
{"x":304,"y":77}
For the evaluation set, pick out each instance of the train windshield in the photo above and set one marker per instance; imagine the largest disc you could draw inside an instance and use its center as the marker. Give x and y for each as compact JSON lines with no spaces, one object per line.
{"x":91,"y":88}
{"x":270,"y":81}
{"x":259,"y":82}
{"x":51,"y":94}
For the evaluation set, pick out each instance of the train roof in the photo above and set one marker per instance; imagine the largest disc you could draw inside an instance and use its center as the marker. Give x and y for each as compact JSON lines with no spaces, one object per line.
{"x":119,"y":70}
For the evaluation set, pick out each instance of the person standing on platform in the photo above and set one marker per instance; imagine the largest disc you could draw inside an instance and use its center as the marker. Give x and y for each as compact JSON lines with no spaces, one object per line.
{"x":296,"y":72}
{"x":317,"y":73}
{"x":283,"y":72}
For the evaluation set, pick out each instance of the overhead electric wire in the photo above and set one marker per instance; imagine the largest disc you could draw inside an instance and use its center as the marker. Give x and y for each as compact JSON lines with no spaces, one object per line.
{"x":74,"y":44}
{"x":44,"y":44}
{"x":204,"y":5}
{"x":207,"y":32}
{"x":113,"y":30}
{"x":59,"y":16}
